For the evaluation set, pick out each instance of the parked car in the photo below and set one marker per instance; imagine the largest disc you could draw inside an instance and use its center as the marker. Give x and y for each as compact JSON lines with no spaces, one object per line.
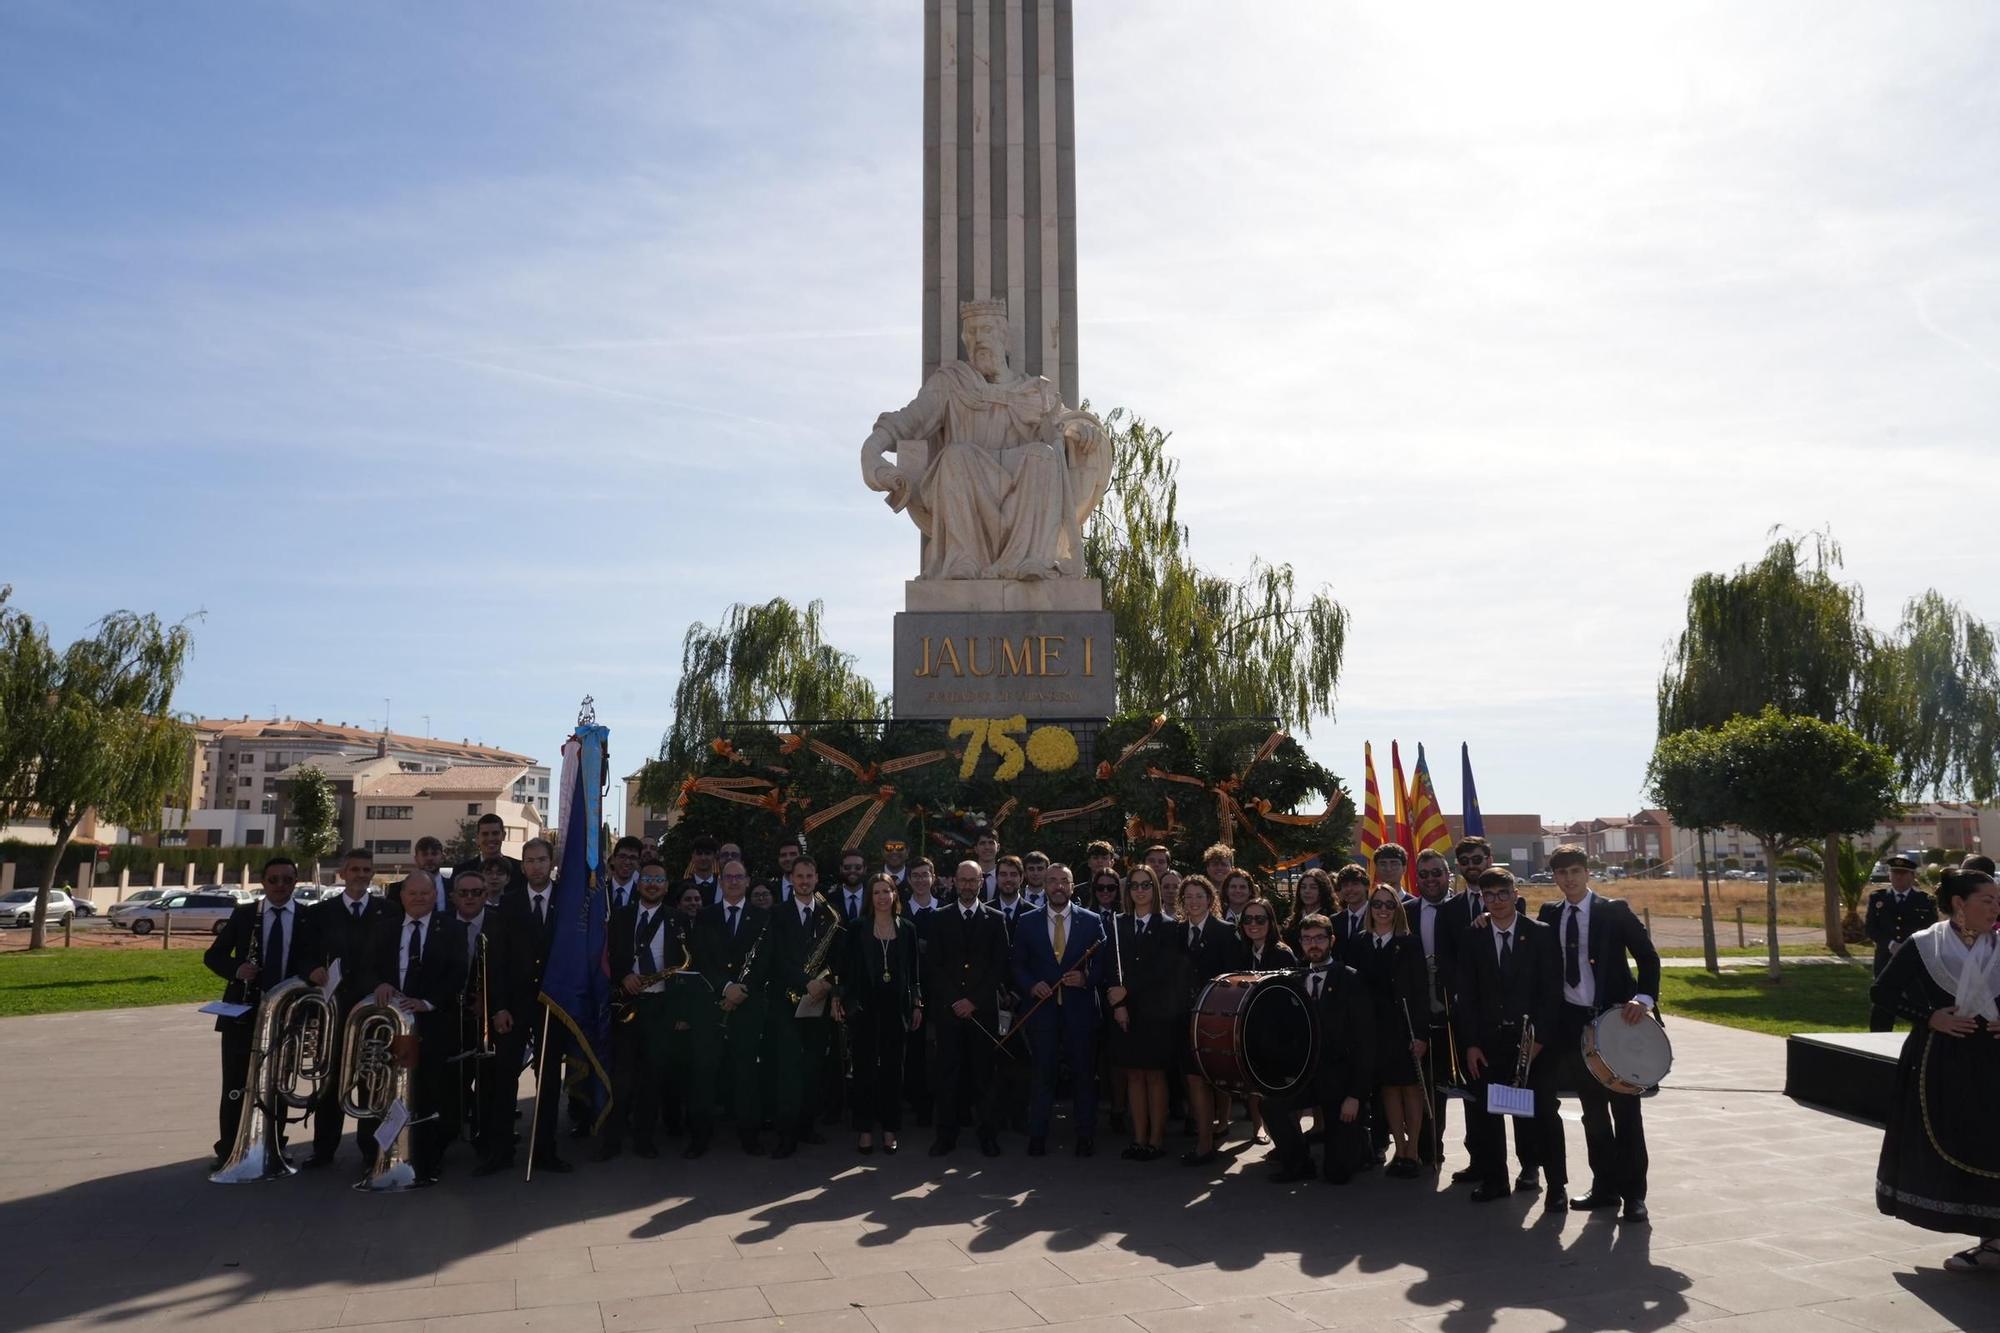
{"x":18,"y":907}
{"x":311,"y":893}
{"x":210,"y":908}
{"x":140,"y":896}
{"x":83,"y":906}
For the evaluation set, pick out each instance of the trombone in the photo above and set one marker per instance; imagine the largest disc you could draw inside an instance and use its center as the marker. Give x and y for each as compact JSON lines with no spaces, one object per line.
{"x":486,"y":1050}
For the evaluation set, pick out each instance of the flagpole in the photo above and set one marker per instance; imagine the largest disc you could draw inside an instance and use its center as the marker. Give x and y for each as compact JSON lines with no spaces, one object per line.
{"x":541,"y":1072}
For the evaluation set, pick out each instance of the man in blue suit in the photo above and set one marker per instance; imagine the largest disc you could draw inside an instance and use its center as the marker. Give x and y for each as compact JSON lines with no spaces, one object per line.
{"x":1052,"y":956}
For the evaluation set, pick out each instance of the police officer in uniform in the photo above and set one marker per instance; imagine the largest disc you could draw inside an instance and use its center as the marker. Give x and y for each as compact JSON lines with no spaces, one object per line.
{"x":1895,"y":914}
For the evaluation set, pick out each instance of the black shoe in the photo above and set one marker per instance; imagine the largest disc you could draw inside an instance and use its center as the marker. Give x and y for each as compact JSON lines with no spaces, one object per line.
{"x":1529,"y":1180}
{"x":1586,"y":1203}
{"x":1635,"y":1213}
{"x":316,"y":1161}
{"x":811,"y":1135}
{"x":989,"y":1145}
{"x":1461,"y":1176}
{"x":1038,"y":1147}
{"x":492,"y":1166}
{"x":1556,"y":1201}
{"x":579,"y":1130}
{"x":1193,"y":1158}
{"x":752,"y":1145}
{"x":1333,"y":1175}
{"x":697,"y":1146}
{"x":1291,"y":1175}
{"x":1488,"y":1191}
{"x":605,"y":1152}
{"x":942,"y":1146}
{"x":787,"y":1147}
{"x":1133,"y":1152}
{"x":215,"y":1162}
{"x":645,"y":1150}
{"x":889,"y":1147}
{"x":555,"y":1164}
{"x":864,"y":1149}
{"x":1086,"y":1148}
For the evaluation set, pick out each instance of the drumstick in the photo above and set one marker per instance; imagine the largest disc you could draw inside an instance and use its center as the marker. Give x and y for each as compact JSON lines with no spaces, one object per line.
{"x":1424,"y":1086}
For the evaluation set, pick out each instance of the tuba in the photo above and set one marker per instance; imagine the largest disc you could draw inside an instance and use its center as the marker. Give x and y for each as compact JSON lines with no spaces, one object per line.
{"x":290,"y":1057}
{"x":379,"y":1052}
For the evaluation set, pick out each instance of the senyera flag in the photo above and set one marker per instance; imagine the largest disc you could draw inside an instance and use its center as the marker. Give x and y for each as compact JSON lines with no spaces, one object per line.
{"x":1373,"y":831}
{"x":576,"y":983}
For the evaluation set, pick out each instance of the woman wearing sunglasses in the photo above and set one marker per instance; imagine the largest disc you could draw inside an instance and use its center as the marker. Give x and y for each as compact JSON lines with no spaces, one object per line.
{"x":1145,"y":972}
{"x":1258,"y":949}
{"x":1390,"y":963}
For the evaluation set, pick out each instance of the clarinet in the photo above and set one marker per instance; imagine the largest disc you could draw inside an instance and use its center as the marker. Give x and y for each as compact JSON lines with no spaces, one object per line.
{"x":255,"y":957}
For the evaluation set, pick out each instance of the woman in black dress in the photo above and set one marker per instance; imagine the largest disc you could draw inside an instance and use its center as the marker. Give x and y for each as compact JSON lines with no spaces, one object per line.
{"x":880,"y":999}
{"x":1143,"y":997}
{"x":1258,"y":949}
{"x":1313,"y":893}
{"x":1940,"y":1164}
{"x":1206,"y":947}
{"x":1390,"y":962}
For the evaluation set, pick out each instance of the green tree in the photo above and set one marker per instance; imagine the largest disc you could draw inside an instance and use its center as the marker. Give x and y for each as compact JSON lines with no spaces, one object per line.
{"x":1686,"y":781}
{"x":1787,"y":778}
{"x":464,"y":845}
{"x":91,"y":728}
{"x":315,"y":814}
{"x":1855,"y":863}
{"x":1194,"y":643}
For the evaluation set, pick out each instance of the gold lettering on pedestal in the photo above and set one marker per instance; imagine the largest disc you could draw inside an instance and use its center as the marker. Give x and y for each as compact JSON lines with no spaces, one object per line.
{"x":972,"y":657}
{"x":1013,"y":665}
{"x":1050,"y":658}
{"x":1089,"y":646}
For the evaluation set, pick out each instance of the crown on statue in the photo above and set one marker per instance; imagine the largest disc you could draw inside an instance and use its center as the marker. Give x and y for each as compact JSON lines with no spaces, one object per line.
{"x":971,"y":310}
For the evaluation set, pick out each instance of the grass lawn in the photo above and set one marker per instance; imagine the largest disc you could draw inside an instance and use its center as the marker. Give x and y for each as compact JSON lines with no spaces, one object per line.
{"x":1824,"y":998}
{"x":1753,"y":951}
{"x":57,"y":981}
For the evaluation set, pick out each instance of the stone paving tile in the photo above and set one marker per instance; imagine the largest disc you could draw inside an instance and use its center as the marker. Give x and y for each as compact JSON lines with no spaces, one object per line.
{"x":1010,"y":1275}
{"x":716,"y":1274}
{"x":835,"y":1292}
{"x":555,"y":1318}
{"x":684,"y":1309}
{"x":902,"y":1257}
{"x":626,"y":1284}
{"x":1087,"y":1300}
{"x":833,"y":1321}
{"x":961,"y":1314}
{"x":1111,"y":1323}
{"x":1258,"y":1315}
{"x":375,"y":1307}
{"x":567,"y":1261}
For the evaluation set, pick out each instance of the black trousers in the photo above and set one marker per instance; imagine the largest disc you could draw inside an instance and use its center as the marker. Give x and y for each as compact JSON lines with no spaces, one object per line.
{"x":236,"y":1038}
{"x":638,"y":1072}
{"x":1538,"y":1141}
{"x":1881,"y":1017}
{"x":1346,"y":1144}
{"x":328,"y":1118}
{"x":1614,"y":1130}
{"x":962,"y":1060}
{"x":917,"y":1074}
{"x":875,"y":1043}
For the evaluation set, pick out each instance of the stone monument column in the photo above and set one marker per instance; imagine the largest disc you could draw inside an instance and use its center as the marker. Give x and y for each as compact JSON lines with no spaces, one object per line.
{"x":1000,"y":179}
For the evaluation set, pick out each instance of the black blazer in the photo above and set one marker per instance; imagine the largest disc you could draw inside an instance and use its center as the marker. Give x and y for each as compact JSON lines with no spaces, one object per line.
{"x":720,"y":957}
{"x":511,"y":984}
{"x":440,"y":978}
{"x":622,"y":937}
{"x":1149,"y":962}
{"x":1488,"y":1000}
{"x":1278,"y":956}
{"x":1347,"y":1046}
{"x":1614,"y":932}
{"x":1207,"y":958}
{"x":793,"y":944}
{"x":1345,"y":927}
{"x":342,"y":937}
{"x":860,"y":970}
{"x":1890,"y":922}
{"x":711,"y":890}
{"x":836,"y":898}
{"x":514,"y":904}
{"x":964,"y":960}
{"x":231,"y":949}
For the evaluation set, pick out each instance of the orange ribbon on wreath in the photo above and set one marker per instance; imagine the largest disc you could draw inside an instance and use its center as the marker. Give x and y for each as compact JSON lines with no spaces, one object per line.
{"x":1106,"y":768}
{"x":1040,"y":818}
{"x":876,"y":800}
{"x":1230,"y":812}
{"x":760,"y":792}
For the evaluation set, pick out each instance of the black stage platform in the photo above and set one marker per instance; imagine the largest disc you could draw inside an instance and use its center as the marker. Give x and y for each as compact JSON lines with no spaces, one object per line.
{"x":1850,"y":1072}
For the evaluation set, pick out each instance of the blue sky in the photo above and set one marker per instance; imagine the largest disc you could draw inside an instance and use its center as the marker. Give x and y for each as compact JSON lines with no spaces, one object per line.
{"x":461,"y":354}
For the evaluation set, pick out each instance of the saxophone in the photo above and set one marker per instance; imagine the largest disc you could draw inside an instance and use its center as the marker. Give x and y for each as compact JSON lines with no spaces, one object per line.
{"x":623,"y":1006}
{"x":816,"y":961}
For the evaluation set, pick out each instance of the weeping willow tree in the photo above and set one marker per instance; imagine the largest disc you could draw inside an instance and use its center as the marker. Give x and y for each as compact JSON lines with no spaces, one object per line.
{"x":1194,"y":643}
{"x":1788,"y":633}
{"x":1190,"y":643}
{"x":89,"y":729}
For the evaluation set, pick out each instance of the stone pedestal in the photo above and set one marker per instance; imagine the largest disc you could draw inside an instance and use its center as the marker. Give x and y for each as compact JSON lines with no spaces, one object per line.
{"x":997,"y":647}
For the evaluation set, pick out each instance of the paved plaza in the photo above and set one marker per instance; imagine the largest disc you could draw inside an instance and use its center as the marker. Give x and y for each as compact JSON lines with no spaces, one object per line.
{"x":1763,"y":1219}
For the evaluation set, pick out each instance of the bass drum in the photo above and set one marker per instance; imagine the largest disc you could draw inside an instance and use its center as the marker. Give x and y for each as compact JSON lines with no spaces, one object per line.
{"x":1254,"y":1034}
{"x":1632,"y":1058}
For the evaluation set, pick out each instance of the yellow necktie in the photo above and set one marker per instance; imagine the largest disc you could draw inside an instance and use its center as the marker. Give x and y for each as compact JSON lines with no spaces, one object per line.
{"x":1062,"y":935}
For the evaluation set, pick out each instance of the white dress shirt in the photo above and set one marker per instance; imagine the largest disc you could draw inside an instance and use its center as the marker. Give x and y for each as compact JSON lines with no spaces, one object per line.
{"x":1585,"y":991}
{"x":649,"y":952}
{"x":274,"y":958}
{"x":427,"y":920}
{"x":1503,"y":939}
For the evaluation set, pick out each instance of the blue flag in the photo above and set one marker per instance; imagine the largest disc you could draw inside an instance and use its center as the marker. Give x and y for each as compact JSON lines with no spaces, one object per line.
{"x":1475,"y":825}
{"x":576,"y":983}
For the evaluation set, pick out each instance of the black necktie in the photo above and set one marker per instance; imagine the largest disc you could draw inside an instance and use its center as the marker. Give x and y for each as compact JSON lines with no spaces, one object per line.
{"x":1572,"y":951}
{"x":359,"y":908}
{"x":853,"y":906}
{"x":1506,"y":948}
{"x":1318,"y":979}
{"x":642,"y":957}
{"x":732,"y":921}
{"x":541,"y":913}
{"x":274,"y":953}
{"x":416,"y":956}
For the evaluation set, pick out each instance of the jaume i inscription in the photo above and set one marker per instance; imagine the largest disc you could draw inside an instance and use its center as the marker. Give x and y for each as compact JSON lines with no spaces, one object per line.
{"x":1036,"y":663}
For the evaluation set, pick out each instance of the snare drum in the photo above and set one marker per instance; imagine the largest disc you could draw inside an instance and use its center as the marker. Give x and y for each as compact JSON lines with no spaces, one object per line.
{"x":1632,"y":1058}
{"x":1255,"y":1035}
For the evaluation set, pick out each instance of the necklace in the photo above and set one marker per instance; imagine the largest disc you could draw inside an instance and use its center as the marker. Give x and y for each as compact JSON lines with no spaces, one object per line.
{"x":1969,"y":937}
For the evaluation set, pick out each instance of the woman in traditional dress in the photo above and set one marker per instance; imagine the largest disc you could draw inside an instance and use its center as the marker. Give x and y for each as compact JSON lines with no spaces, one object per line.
{"x":1940,"y":1165}
{"x":880,"y":999}
{"x":1390,"y":962}
{"x":1144,"y":997}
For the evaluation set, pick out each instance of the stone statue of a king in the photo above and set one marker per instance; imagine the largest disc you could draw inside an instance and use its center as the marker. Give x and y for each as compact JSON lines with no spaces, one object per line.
{"x":995,"y":470}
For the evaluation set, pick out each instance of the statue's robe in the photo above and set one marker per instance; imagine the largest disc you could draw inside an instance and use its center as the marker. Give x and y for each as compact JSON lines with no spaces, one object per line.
{"x":1004,"y":496}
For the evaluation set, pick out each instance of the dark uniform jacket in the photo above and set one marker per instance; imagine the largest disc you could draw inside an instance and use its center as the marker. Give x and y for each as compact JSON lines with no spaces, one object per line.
{"x":1614,"y":932}
{"x":231,"y":949}
{"x":1490,"y":1003}
{"x":668,"y":937}
{"x":439,"y":979}
{"x":343,"y":938}
{"x":964,"y":960}
{"x":515,"y":905}
{"x":793,"y":944}
{"x":1892,"y":922}
{"x":720,"y":957}
{"x":1347,"y":1035}
{"x":510,"y":968}
{"x":510,"y":875}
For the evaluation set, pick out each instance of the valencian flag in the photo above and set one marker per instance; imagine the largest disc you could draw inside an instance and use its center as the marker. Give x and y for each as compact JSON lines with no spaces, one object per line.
{"x":576,"y":983}
{"x":1403,"y":829}
{"x":1475,"y":825}
{"x":1428,"y":830}
{"x":1373,"y":831}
